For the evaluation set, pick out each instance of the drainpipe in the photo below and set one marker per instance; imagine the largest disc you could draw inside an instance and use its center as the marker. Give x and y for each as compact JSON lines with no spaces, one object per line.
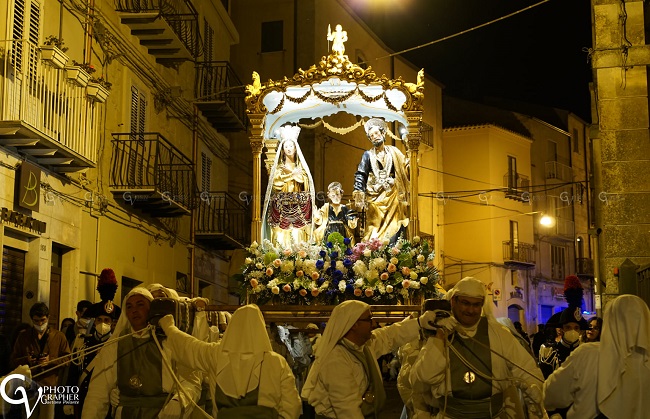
{"x":191,"y":246}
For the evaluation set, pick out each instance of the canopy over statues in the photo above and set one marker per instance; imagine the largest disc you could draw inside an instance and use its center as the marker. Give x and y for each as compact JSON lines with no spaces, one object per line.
{"x":289,"y":201}
{"x":381,"y":186}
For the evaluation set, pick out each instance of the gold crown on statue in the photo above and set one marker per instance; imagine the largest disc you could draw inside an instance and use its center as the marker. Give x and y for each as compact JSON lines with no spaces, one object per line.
{"x":289,"y":132}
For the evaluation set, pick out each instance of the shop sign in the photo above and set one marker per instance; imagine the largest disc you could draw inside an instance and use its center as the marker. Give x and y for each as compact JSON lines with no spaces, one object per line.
{"x":29,"y":186}
{"x":21,"y":220}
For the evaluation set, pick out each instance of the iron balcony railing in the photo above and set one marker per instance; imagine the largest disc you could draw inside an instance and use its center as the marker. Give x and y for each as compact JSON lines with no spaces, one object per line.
{"x":217,"y":81}
{"x":147,"y":161}
{"x":39,"y":95}
{"x":517,"y":186}
{"x":559,"y":171}
{"x":427,"y":134}
{"x":584,"y":266}
{"x":518,"y":252}
{"x":219,"y":213}
{"x":180,"y":15}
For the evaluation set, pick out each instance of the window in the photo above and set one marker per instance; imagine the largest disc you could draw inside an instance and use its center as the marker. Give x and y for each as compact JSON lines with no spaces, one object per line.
{"x":576,"y":141}
{"x":512,"y":172}
{"x":514,"y":239}
{"x":136,"y":151}
{"x":272,"y":36}
{"x":558,"y":262}
{"x":208,"y":40}
{"x":26,"y":25}
{"x":182,"y":283}
{"x":514,"y":274}
{"x":203,"y":291}
{"x":206,"y":169}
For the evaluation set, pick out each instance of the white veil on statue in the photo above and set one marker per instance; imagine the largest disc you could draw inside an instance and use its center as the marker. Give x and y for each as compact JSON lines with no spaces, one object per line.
{"x":278,"y":225}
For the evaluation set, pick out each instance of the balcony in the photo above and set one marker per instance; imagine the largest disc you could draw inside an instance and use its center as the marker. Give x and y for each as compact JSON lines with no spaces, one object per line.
{"x":517,"y":186}
{"x":220,"y":96}
{"x":43,"y":116}
{"x":559,"y":171}
{"x":150,"y":174}
{"x":427,"y":134}
{"x":518,"y":254}
{"x":223,"y":222}
{"x":585,"y":267}
{"x":168,"y":28}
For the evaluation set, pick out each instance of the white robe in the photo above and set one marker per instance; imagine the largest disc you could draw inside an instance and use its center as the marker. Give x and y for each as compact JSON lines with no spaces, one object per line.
{"x":432,"y":364}
{"x":277,"y":388}
{"x":342,"y":379}
{"x":576,"y":382}
{"x":104,"y":379}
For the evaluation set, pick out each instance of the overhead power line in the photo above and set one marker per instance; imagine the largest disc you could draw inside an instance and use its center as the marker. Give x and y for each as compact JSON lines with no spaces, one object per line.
{"x":465,"y":31}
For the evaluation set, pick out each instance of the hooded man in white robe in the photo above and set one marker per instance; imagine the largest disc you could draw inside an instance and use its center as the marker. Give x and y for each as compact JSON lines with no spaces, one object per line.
{"x":344,"y":380}
{"x":466,"y":376}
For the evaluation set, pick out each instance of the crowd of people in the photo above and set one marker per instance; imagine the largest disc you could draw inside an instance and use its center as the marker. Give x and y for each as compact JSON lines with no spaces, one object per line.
{"x":456,"y":362}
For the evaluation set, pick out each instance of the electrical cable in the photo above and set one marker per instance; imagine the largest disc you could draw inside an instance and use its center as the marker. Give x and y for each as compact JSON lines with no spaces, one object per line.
{"x":464,"y":31}
{"x":69,"y":356}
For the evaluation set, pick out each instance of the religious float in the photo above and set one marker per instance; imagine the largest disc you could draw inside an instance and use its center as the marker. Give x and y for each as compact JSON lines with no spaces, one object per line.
{"x":308,"y":259}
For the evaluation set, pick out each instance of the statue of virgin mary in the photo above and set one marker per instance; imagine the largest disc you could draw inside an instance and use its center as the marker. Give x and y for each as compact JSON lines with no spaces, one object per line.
{"x":287,"y":216}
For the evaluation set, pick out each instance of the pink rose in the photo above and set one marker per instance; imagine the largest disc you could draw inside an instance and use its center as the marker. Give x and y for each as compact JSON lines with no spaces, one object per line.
{"x":287,"y":252}
{"x":429,"y":264}
{"x":406,"y":283}
{"x":277,"y":263}
{"x":391,"y":268}
{"x":369,"y":292}
{"x":314,"y":292}
{"x":406,"y":271}
{"x":314,"y":276}
{"x":303,"y":292}
{"x":302,"y":254}
{"x":254,"y":282}
{"x":286,"y":288}
{"x":299,"y":274}
{"x":384,"y":276}
{"x":357,"y":292}
{"x":269,"y":271}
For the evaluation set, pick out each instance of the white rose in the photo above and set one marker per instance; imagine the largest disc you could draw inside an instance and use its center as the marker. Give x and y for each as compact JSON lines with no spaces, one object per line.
{"x":259,"y":265}
{"x":248,"y":261}
{"x":424,"y":280}
{"x":394,"y":260}
{"x":416,"y":239}
{"x":367,"y":253}
{"x":389,"y":288}
{"x":420,"y":258}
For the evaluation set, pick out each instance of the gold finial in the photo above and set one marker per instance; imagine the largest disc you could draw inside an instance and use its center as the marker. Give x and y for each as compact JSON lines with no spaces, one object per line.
{"x":338,"y":37}
{"x":254,"y":89}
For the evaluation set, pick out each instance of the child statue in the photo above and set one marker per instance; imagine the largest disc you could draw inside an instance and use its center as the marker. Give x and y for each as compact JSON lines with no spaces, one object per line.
{"x":334,"y":217}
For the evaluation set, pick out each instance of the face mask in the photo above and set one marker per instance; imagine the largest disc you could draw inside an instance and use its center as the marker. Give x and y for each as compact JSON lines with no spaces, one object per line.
{"x":42,"y":328}
{"x":571,"y":336}
{"x":102,"y":328}
{"x":82,"y":323}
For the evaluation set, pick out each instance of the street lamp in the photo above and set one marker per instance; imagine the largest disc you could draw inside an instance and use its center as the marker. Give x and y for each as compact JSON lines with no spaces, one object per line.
{"x":547,"y":221}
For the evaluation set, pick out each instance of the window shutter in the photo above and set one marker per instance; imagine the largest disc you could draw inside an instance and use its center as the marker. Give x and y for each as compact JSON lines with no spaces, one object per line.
{"x":17,"y":32}
{"x":206,"y":170}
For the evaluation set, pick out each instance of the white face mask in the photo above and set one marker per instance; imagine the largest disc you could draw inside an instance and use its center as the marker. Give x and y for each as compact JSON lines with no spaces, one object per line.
{"x":102,"y":328}
{"x":82,"y":323}
{"x":40,"y":328}
{"x":571,"y":336}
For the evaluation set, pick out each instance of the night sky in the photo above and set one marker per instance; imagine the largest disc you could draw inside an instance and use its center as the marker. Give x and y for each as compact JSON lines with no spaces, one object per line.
{"x":536,"y":56}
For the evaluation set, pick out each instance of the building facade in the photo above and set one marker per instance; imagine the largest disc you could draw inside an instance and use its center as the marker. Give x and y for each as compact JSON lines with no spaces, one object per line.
{"x":115,"y":150}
